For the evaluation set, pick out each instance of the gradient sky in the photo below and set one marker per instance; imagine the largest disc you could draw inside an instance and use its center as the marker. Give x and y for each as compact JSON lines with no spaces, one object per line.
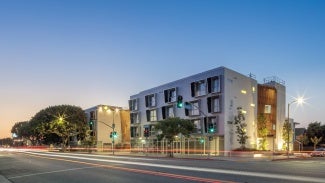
{"x":86,"y":53}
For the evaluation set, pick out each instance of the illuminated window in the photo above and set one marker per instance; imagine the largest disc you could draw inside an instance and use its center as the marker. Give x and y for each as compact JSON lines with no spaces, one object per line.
{"x":243,"y":91}
{"x":253,"y":89}
{"x":267,"y":109}
{"x":252,"y":105}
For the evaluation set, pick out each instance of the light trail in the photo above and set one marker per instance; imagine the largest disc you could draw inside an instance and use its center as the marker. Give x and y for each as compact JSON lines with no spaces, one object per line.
{"x":177,"y":176}
{"x":199,"y":169}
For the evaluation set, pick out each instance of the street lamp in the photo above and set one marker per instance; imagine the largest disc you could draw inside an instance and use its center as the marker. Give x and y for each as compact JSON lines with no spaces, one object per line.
{"x":113,"y":125}
{"x":299,"y":100}
{"x":110,"y":109}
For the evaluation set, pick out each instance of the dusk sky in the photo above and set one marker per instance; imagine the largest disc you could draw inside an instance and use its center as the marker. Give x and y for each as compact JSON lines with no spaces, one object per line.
{"x":86,"y":53}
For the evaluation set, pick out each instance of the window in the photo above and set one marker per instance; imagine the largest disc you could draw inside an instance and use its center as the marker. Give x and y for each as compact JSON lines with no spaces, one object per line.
{"x":192,"y":109}
{"x":198,"y":126}
{"x":151,"y":100}
{"x":267,"y":109}
{"x":92,"y":115}
{"x":134,"y":131}
{"x":134,"y":118}
{"x":214,"y":104}
{"x":133,"y":104}
{"x":198,"y":88}
{"x":170,"y":95}
{"x":167,"y":112}
{"x":214,"y":84}
{"x":152,"y":115}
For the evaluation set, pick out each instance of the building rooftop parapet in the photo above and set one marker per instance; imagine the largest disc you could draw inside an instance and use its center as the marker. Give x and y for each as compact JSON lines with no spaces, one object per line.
{"x":274,"y":79}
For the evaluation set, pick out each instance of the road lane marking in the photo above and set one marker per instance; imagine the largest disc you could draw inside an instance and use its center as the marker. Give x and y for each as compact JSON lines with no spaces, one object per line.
{"x":110,"y":156}
{"x":177,"y":176}
{"x":221,"y":171}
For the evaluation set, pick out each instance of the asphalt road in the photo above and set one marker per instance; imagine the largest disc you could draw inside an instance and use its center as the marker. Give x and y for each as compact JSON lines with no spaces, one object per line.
{"x":42,"y":167}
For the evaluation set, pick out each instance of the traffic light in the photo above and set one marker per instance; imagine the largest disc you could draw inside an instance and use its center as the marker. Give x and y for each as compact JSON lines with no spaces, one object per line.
{"x":211,"y":128}
{"x":91,"y":124}
{"x":115,"y":134}
{"x":179,"y":101}
{"x":146,"y":132}
{"x":201,"y":140}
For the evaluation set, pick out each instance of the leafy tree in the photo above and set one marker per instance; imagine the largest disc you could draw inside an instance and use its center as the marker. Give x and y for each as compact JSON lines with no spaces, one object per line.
{"x":241,"y":130}
{"x":315,"y":140}
{"x":303,"y":139}
{"x":262,"y":130}
{"x":63,"y":121}
{"x":171,"y":127}
{"x":22,"y":130}
{"x":287,"y":134}
{"x":314,"y":129}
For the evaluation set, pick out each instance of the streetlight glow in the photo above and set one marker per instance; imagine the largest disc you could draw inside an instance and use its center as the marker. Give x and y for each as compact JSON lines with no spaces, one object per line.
{"x":299,"y":101}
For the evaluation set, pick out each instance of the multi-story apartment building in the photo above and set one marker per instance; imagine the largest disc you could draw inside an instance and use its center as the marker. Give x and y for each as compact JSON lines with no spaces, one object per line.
{"x":214,"y":97}
{"x":103,"y":120}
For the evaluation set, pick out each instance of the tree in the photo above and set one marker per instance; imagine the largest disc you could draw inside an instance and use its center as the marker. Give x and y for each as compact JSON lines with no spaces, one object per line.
{"x":303,"y":139}
{"x":262,"y":130}
{"x":314,"y":129}
{"x":21,"y":130}
{"x":287,"y":134}
{"x":63,"y":121}
{"x":241,"y":130}
{"x":315,"y":141}
{"x":172,"y":127}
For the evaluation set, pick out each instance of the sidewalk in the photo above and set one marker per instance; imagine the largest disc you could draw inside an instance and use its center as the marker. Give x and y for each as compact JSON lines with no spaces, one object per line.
{"x":207,"y":157}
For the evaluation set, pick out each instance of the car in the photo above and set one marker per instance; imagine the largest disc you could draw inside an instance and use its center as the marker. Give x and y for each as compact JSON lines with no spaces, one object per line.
{"x":318,"y":152}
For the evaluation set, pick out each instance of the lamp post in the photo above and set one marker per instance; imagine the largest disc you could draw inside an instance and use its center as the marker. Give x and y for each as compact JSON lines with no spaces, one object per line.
{"x":299,"y":100}
{"x":113,"y":110}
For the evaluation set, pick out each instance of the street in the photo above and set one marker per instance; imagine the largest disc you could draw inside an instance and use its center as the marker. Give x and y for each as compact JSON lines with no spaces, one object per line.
{"x":35,"y":166}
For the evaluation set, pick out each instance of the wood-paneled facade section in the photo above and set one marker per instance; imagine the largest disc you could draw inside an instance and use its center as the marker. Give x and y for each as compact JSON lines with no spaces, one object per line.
{"x":267,"y":106}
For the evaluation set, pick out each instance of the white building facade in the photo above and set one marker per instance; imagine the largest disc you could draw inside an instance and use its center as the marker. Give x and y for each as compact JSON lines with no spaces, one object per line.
{"x":214,"y":97}
{"x":104,"y":120}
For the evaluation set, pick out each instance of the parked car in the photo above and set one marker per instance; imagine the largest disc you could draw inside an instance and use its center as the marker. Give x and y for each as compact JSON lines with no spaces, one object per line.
{"x":318,"y":152}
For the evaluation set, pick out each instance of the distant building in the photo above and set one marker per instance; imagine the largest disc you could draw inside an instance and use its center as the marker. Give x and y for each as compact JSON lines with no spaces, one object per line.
{"x":103,"y":119}
{"x":214,"y":97}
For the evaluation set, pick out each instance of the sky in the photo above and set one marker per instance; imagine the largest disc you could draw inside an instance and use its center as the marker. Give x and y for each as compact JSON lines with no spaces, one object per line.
{"x":86,"y":53}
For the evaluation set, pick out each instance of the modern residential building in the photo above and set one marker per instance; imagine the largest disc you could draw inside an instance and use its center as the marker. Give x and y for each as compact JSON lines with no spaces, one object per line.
{"x":214,"y":98}
{"x":106,"y":119}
